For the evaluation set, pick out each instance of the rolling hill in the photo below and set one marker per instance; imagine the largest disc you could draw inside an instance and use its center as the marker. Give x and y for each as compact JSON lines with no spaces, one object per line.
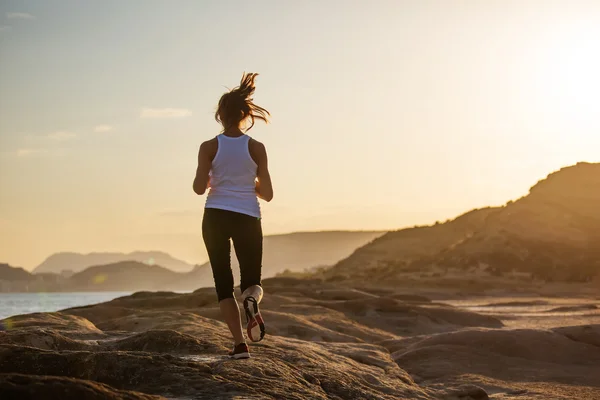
{"x":15,"y":279}
{"x":125,"y":276}
{"x":300,"y":251}
{"x":8,"y":273}
{"x":293,"y":252}
{"x":77,"y":262}
{"x":551,"y":234}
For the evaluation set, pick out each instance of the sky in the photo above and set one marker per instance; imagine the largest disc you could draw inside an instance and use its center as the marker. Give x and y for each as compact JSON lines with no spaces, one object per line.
{"x":385,"y":114}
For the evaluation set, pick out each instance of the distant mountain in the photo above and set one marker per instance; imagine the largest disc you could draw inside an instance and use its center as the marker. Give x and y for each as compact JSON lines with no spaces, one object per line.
{"x":294,"y":252}
{"x":552,"y":234}
{"x":136,"y":276}
{"x":122,"y":276}
{"x":300,"y":251}
{"x":14,"y":279}
{"x":125,"y":276}
{"x":76,"y":262}
{"x":8,"y":273}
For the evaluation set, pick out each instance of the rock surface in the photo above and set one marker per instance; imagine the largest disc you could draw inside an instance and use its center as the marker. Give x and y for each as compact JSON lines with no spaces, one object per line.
{"x":32,"y":387}
{"x":324,"y":342}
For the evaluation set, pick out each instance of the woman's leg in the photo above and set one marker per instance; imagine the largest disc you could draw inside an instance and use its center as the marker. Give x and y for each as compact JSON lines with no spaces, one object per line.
{"x":247,"y":239}
{"x":215,"y":231}
{"x":248,"y":242}
{"x":231,"y":314}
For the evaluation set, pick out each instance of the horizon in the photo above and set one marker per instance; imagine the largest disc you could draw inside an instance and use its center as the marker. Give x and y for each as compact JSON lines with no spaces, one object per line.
{"x":195,"y":263}
{"x":402,"y":114}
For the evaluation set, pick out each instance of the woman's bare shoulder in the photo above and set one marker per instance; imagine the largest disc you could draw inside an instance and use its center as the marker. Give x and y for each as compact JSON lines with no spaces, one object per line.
{"x":210,"y":143}
{"x":209,"y":147}
{"x":255,"y":145}
{"x":257,"y":150}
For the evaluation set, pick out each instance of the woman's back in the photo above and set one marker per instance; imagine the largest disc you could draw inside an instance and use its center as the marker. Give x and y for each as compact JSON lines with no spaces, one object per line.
{"x":233,"y":177}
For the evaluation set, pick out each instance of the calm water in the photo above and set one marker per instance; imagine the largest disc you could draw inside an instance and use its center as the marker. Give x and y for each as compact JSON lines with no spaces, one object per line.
{"x":25,"y":303}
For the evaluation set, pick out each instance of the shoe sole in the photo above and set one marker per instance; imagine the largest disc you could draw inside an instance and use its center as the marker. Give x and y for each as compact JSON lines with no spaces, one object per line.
{"x":240,"y":356}
{"x":254,"y":319}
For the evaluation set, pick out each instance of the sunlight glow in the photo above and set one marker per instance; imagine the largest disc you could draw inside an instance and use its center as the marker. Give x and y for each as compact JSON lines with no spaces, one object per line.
{"x":571,"y":77}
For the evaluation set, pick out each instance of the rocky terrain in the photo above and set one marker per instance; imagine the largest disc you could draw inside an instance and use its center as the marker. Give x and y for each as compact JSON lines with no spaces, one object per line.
{"x":500,"y":303}
{"x":324,"y":341}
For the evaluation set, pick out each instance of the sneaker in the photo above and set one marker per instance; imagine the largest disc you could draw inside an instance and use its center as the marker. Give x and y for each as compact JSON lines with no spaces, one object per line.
{"x":240,"y":351}
{"x":256,"y":325}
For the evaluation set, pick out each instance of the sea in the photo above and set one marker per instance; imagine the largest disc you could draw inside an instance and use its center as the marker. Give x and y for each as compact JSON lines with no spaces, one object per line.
{"x":25,"y":303}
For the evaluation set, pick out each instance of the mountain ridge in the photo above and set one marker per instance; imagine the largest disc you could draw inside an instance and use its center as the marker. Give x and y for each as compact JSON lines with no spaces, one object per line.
{"x":76,"y":262}
{"x":295,"y":252}
{"x":552,"y":233}
{"x":125,"y":276}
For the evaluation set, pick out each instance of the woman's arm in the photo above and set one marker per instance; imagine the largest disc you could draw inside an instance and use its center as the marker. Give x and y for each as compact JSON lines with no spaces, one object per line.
{"x":202,"y":179}
{"x":264,"y":187}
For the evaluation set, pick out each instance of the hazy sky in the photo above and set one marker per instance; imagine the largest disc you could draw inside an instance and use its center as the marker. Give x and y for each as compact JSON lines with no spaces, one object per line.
{"x":385,"y":113}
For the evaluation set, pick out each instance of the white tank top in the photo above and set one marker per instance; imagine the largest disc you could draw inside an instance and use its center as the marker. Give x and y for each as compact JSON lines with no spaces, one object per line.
{"x":233,"y":177}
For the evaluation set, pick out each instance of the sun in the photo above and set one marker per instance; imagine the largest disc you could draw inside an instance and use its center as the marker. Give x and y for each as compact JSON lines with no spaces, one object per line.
{"x":563,"y":93}
{"x":571,"y":75}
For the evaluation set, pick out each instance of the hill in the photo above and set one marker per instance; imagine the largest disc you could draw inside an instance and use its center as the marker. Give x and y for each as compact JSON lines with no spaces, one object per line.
{"x":8,"y":273}
{"x":293,"y":251}
{"x":124,"y":276}
{"x":552,"y":234}
{"x":14,"y":279}
{"x":76,"y":262}
{"x":302,"y":251}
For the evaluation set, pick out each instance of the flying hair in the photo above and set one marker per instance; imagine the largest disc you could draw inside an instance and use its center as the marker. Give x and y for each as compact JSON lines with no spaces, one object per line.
{"x":237,"y":105}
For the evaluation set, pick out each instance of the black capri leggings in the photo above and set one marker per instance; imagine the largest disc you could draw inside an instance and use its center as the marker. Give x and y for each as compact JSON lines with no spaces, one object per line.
{"x":218,"y":226}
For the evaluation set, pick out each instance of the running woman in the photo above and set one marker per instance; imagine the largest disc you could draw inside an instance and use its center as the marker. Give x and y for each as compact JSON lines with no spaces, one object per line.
{"x":233,"y":168}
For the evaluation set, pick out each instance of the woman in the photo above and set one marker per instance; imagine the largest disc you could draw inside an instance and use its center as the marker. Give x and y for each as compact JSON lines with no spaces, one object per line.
{"x":233,"y":167}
